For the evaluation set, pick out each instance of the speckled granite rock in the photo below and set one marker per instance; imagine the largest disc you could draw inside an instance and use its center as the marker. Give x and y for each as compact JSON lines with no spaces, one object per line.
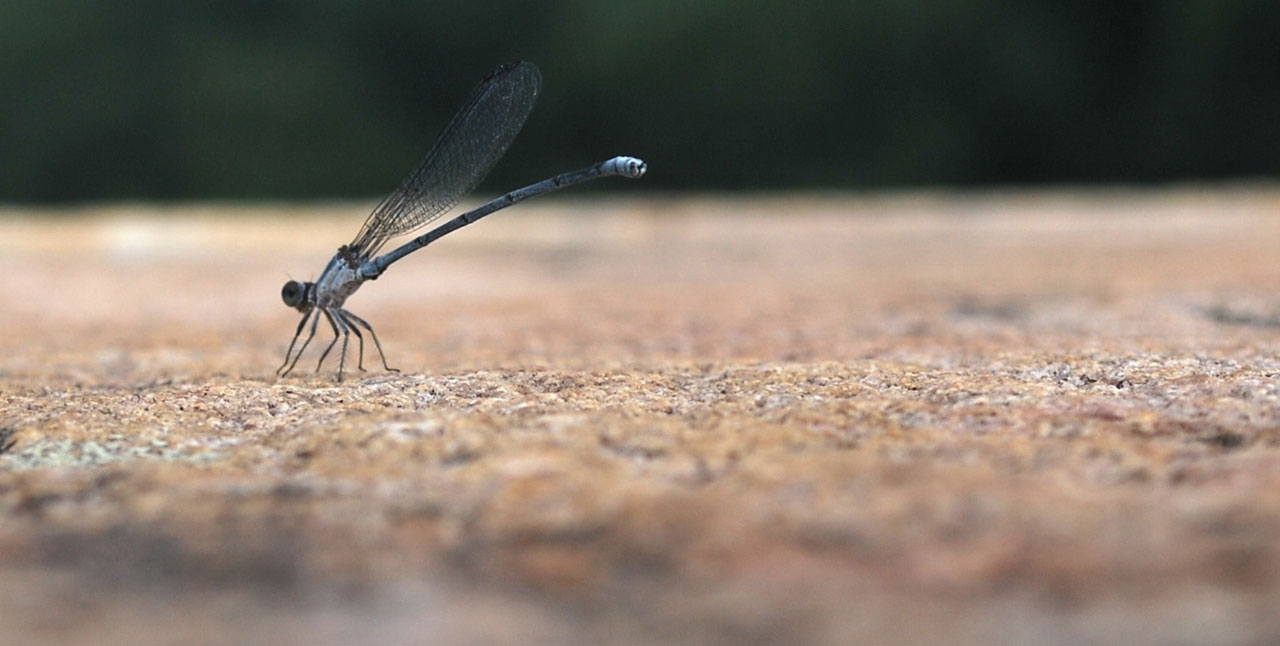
{"x":1046,"y":418}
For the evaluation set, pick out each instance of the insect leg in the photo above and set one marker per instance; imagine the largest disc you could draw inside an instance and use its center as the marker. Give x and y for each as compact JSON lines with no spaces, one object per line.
{"x":376,"y":343}
{"x":296,"y":334}
{"x":331,"y":343}
{"x":336,"y":316}
{"x":355,"y":329}
{"x":315,"y":320}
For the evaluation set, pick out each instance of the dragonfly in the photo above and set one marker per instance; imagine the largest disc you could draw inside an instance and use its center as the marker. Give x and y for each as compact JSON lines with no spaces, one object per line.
{"x":464,"y":153}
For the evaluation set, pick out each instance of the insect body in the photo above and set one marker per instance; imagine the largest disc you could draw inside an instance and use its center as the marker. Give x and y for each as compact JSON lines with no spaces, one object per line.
{"x":475,"y":139}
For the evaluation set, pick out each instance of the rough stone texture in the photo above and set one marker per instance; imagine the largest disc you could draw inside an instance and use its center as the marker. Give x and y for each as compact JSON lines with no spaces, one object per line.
{"x":1024,"y":417}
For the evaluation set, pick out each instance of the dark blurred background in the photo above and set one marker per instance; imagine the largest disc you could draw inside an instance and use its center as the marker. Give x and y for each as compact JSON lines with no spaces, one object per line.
{"x":154,"y":99}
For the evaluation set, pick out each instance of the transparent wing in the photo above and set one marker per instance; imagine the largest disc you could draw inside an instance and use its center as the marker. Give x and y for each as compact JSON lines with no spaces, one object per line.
{"x":461,"y":157}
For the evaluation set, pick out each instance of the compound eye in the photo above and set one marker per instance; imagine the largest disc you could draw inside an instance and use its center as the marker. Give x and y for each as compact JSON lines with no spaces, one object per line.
{"x":291,"y":293}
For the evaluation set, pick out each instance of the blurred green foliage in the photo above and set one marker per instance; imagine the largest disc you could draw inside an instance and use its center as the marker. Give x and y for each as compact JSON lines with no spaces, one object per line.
{"x":290,"y":99}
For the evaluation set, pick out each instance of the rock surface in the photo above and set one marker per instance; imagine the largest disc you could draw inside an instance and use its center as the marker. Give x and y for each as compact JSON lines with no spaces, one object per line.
{"x":964,"y":418}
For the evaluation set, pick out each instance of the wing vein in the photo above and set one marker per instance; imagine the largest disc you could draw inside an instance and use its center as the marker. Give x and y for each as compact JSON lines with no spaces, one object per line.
{"x":464,"y":153}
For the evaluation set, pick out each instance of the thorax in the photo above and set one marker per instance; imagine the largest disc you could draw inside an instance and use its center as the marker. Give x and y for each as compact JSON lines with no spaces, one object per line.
{"x":338,"y":281}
